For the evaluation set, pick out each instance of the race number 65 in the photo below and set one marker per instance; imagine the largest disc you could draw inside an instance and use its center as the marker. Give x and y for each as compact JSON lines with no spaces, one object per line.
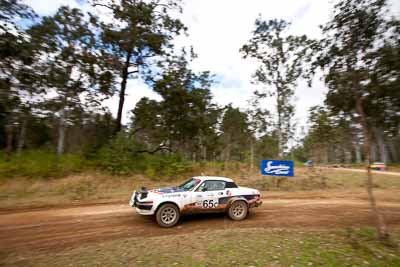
{"x":210,"y":203}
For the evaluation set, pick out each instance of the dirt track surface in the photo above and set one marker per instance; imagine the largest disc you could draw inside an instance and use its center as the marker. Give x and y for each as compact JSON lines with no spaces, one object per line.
{"x":359,"y":170}
{"x":57,"y":228}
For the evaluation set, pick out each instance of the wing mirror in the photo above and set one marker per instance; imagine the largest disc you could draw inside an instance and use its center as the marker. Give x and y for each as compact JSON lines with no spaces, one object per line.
{"x":204,"y":189}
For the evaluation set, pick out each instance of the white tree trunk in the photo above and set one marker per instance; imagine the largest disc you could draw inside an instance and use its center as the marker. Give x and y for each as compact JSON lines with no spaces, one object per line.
{"x":280,"y":143}
{"x":357,"y":150}
{"x":61,"y":133}
{"x":393,"y":151}
{"x":373,"y":152}
{"x":21,"y":138}
{"x":383,"y":153}
{"x":251,"y":155}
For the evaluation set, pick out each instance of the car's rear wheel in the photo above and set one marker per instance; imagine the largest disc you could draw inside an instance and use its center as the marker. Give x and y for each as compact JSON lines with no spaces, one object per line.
{"x":167,"y":215}
{"x":238,"y":210}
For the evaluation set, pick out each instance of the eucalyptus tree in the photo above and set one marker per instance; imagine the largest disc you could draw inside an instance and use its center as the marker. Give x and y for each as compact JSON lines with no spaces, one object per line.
{"x":354,"y":39}
{"x":11,"y":11}
{"x":15,"y":55}
{"x":185,"y":119}
{"x":282,"y":58}
{"x":69,"y":67}
{"x":139,"y":34}
{"x":235,"y":128}
{"x":258,"y":118}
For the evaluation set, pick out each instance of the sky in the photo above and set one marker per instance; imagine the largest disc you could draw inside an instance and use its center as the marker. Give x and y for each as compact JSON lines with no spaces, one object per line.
{"x":216,"y":30}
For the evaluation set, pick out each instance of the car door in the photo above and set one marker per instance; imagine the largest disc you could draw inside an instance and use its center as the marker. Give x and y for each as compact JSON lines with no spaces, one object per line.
{"x":207,"y":195}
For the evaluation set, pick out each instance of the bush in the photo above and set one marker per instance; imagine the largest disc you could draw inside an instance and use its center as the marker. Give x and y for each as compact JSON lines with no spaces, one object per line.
{"x":40,"y":164}
{"x":171,"y":166}
{"x":121,"y":157}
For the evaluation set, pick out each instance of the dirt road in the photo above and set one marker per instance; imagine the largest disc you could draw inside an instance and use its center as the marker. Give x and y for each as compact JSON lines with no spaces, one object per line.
{"x":360,"y":170}
{"x":57,"y":228}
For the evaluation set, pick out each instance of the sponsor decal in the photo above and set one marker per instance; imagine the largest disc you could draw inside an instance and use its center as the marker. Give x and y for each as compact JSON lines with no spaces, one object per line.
{"x":170,"y":190}
{"x":277,"y":167}
{"x":228,"y":192}
{"x":171,"y":195}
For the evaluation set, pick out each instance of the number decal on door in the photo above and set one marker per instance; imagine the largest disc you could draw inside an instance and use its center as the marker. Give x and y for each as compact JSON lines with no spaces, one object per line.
{"x":207,"y":204}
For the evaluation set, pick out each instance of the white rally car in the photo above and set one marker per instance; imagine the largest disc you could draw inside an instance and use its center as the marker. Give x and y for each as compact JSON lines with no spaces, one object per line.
{"x":199,"y":194}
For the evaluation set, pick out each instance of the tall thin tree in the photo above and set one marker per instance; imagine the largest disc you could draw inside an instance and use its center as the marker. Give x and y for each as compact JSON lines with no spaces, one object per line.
{"x":357,"y":31}
{"x":141,"y":31}
{"x":282,"y":57}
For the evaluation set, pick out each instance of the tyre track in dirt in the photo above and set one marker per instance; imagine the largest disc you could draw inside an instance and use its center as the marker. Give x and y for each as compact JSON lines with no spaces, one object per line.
{"x":59,"y":228}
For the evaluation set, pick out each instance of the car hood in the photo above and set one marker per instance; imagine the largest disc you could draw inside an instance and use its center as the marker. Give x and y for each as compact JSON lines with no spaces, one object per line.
{"x":166,"y":190}
{"x":250,"y":191}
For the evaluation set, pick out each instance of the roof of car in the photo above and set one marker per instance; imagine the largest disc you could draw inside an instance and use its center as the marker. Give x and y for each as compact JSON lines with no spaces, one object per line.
{"x":203,"y":178}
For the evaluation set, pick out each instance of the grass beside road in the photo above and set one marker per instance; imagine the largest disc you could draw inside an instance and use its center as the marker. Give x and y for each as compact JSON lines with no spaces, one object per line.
{"x":96,"y":186}
{"x":239,"y":247}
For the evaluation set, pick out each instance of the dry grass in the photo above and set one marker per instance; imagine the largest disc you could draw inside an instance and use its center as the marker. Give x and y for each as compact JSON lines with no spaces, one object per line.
{"x":227,"y":247}
{"x":97,"y":186}
{"x":87,"y":187}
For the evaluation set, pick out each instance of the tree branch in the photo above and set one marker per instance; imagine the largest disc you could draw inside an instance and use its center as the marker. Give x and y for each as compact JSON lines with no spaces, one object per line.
{"x":161,"y":147}
{"x":102,"y":5}
{"x":132,"y":72}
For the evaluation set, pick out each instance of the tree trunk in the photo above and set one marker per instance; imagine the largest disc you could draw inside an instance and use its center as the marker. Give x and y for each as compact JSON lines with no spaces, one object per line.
{"x":393,"y":151}
{"x":380,"y":223}
{"x":9,"y":140}
{"x":280,"y":146}
{"x":251,"y":155}
{"x":124,"y":76}
{"x":228,"y":152}
{"x":383,"y":153}
{"x":279,"y":128}
{"x":373,"y":151}
{"x":357,"y":152}
{"x":61,"y":133}
{"x":204,"y":153}
{"x":21,"y":138}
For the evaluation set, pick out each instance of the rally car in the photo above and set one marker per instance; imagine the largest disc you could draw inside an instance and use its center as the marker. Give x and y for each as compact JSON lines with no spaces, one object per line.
{"x":198,"y":194}
{"x":380,"y":166}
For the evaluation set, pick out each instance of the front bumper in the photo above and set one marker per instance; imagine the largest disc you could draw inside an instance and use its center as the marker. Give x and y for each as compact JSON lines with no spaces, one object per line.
{"x":256,"y":204}
{"x":141,"y":207}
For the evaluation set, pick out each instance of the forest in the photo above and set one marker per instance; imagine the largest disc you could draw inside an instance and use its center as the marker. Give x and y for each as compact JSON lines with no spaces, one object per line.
{"x":57,"y":71}
{"x":77,"y":173}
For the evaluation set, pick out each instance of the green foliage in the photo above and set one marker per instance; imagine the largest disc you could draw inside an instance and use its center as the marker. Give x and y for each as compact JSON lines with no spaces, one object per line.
{"x":139,"y":32}
{"x":13,"y":10}
{"x":40,"y":164}
{"x":236,"y":134}
{"x":185,"y":119}
{"x":267,"y":147}
{"x":158,"y":167}
{"x":358,"y":54}
{"x":299,"y":154}
{"x":125,"y":156}
{"x":120,"y":156}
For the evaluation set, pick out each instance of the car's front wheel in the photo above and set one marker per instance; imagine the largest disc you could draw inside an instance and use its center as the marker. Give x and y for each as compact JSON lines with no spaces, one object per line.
{"x":167,"y":215}
{"x":238,"y":210}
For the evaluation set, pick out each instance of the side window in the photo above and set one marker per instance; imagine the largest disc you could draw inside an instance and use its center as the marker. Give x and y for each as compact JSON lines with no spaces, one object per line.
{"x":211,"y":186}
{"x":231,"y":185}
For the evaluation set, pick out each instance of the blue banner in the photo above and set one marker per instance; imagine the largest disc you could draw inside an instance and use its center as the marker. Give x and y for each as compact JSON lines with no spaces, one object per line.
{"x":277,"y":167}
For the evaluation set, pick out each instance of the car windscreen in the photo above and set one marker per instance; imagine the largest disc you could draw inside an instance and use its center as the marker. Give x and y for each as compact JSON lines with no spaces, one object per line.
{"x":190,"y":184}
